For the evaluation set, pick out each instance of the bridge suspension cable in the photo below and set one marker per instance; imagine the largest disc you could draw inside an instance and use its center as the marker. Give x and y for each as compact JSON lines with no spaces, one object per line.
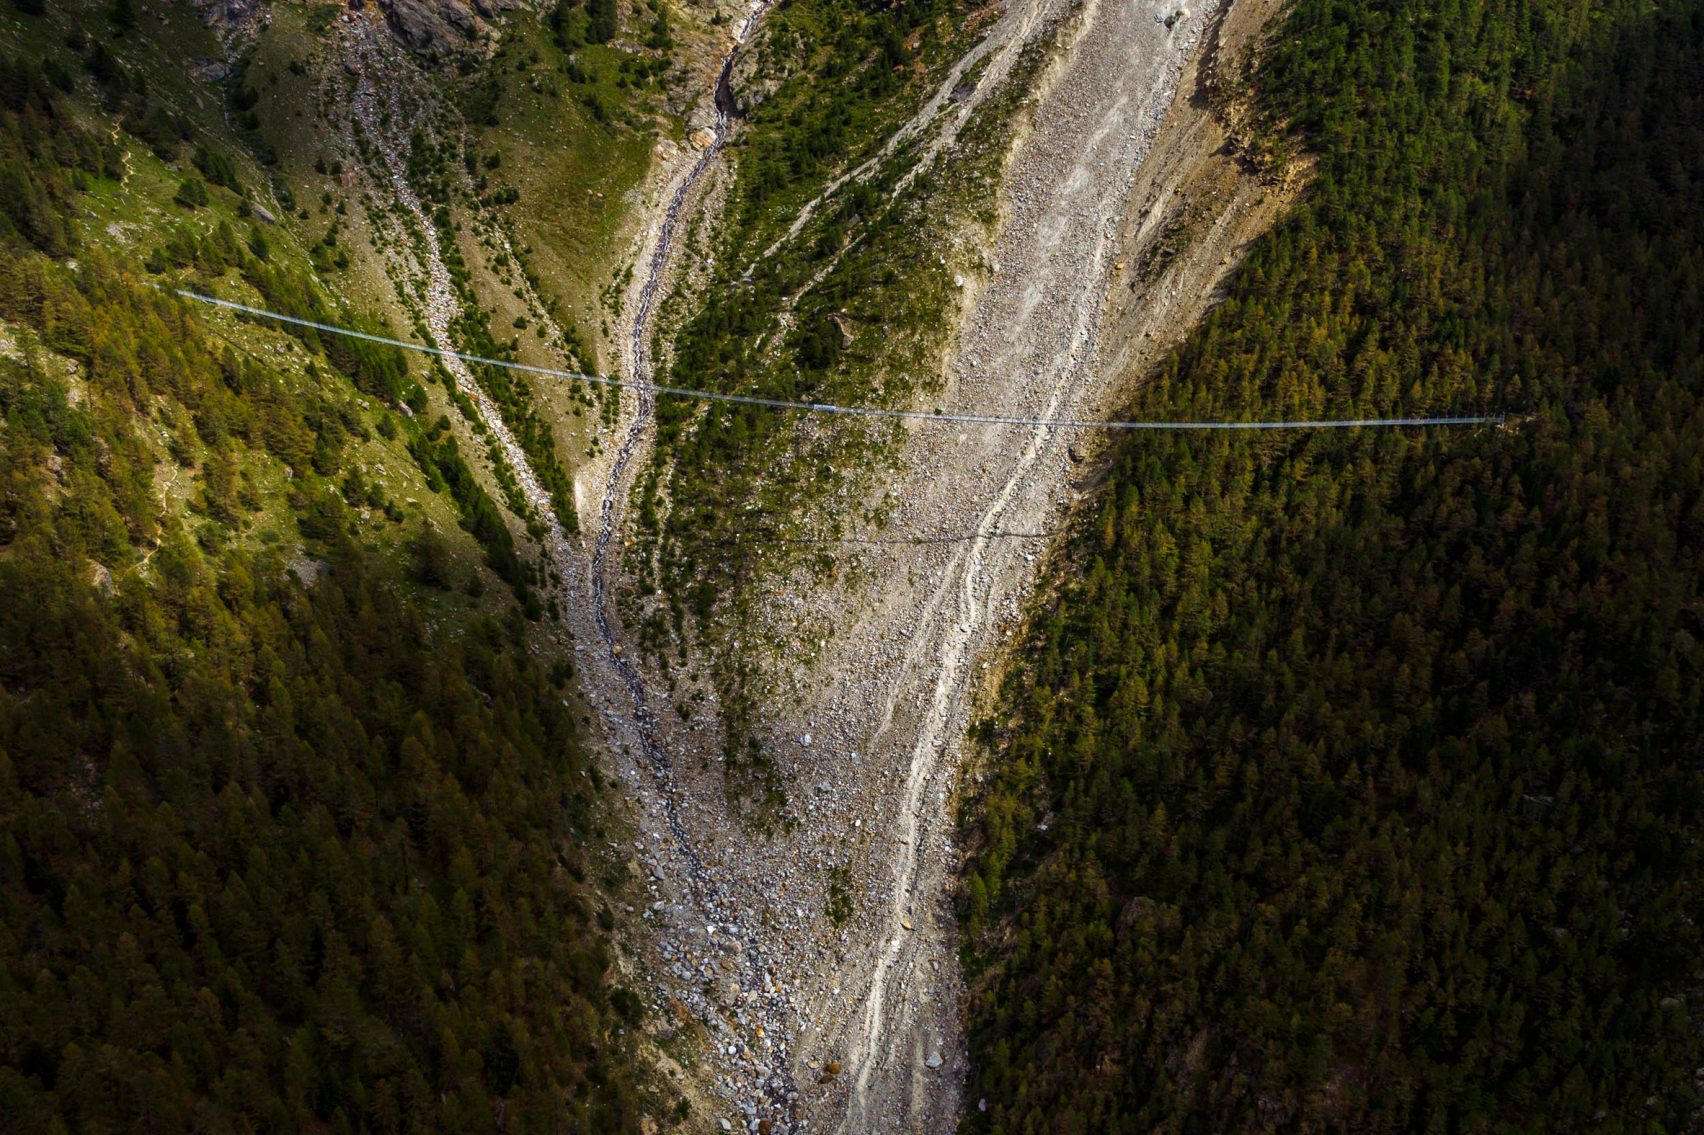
{"x":830,"y":407}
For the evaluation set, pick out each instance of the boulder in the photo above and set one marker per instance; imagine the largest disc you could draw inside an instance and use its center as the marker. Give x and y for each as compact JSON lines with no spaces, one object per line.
{"x":441,"y":25}
{"x":209,"y":70}
{"x":424,"y":25}
{"x":228,"y":13}
{"x":1140,"y":911}
{"x":756,"y":76}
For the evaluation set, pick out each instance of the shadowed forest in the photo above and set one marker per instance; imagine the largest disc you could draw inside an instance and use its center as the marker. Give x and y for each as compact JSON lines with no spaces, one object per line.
{"x":272,"y":856}
{"x":1352,"y":782}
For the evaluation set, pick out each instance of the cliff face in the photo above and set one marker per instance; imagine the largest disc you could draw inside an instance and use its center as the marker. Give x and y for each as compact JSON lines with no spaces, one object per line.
{"x":442,"y":25}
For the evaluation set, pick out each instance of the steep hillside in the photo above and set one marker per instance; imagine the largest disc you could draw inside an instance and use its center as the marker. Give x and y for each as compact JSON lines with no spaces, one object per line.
{"x":1352,"y":781}
{"x":299,"y":819}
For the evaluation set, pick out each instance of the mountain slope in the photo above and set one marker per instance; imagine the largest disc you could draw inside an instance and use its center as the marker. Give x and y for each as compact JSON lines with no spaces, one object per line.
{"x":1352,"y":781}
{"x":299,"y":823}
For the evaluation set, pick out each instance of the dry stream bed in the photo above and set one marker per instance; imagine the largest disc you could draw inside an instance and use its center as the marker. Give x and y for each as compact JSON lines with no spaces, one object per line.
{"x":858,"y":1028}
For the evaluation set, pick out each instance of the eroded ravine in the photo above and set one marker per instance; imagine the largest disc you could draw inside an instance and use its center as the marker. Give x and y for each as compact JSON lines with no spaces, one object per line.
{"x":762,"y":1089}
{"x":869,"y":736}
{"x":767,"y":1096}
{"x":378,"y":107}
{"x":884,"y":996}
{"x":876,"y":730}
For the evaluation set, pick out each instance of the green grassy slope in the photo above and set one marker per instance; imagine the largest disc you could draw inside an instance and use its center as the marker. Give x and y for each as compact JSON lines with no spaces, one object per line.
{"x":570,"y":126}
{"x":1353,"y":781}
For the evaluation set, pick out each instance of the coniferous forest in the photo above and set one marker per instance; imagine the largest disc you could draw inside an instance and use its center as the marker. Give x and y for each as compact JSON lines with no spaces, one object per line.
{"x":1353,"y":781}
{"x":273,"y":857}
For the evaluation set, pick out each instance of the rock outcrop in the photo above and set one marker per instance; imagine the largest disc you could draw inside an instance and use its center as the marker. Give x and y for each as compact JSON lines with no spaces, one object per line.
{"x":441,"y":25}
{"x":426,"y":25}
{"x":421,"y":25}
{"x":229,"y":14}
